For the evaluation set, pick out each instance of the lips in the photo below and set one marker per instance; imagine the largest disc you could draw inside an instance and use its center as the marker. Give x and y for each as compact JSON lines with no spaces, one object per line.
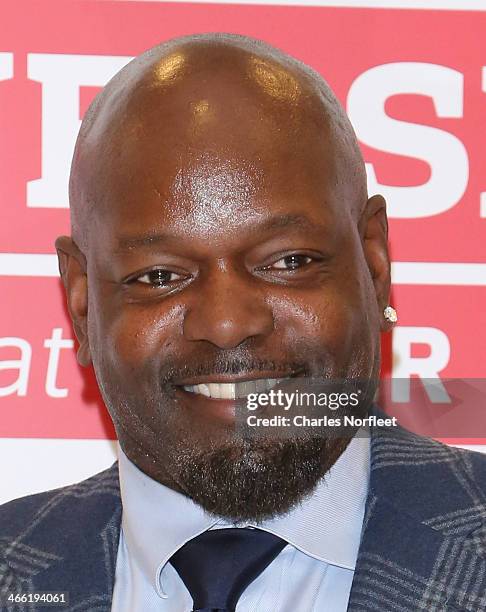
{"x":233,"y":390}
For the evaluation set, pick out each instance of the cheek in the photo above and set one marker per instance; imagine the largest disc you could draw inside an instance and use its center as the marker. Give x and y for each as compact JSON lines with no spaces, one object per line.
{"x":316,"y":317}
{"x":135,"y":334}
{"x":335,"y":318}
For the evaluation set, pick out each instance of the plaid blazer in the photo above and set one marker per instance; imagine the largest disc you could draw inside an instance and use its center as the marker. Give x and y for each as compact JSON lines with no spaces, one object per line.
{"x":423,"y":544}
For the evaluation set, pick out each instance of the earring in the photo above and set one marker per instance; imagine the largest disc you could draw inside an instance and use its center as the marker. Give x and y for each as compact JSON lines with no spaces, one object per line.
{"x":390,"y":314}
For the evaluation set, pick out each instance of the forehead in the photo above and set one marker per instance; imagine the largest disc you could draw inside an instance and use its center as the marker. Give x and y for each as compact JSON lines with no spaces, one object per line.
{"x":214,"y":148}
{"x":217,"y":191}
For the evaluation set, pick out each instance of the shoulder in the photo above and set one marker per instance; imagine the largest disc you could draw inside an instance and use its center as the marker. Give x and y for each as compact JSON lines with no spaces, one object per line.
{"x":431,"y":480}
{"x":69,"y":505}
{"x":66,"y":536}
{"x":399,"y":446}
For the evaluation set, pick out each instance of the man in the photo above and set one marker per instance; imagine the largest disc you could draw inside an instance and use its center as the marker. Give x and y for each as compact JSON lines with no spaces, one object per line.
{"x":223,"y":240}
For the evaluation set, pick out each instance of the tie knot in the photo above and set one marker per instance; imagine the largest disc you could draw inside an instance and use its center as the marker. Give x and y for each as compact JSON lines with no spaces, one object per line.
{"x":218,"y":565}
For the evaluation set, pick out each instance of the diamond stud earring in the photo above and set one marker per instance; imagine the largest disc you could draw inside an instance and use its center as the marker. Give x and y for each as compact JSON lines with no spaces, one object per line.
{"x":390,"y":314}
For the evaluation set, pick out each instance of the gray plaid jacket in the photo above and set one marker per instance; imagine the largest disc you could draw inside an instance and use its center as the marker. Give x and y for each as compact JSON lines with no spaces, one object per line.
{"x":423,"y":545}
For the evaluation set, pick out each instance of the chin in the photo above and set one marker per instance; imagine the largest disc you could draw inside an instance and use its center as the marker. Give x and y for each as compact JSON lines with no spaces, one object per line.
{"x":254,"y":480}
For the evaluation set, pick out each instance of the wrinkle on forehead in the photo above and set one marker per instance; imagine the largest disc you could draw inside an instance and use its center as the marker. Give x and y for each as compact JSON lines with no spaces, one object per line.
{"x":208,"y":92}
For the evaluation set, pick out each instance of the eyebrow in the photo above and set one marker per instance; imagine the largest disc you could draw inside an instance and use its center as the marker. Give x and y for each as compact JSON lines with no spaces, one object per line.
{"x":128,"y":243}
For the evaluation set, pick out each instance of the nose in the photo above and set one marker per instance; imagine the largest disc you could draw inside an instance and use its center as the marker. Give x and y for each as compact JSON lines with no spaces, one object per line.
{"x":227,"y":310}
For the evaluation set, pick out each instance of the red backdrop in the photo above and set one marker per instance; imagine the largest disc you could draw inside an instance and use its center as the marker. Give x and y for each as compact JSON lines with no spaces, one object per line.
{"x":414,"y":84}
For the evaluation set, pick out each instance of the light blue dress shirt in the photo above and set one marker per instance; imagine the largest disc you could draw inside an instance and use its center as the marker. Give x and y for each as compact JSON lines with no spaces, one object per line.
{"x":313,"y":573}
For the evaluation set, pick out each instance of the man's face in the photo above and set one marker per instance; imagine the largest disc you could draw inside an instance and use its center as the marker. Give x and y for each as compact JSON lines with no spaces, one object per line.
{"x":216,"y":256}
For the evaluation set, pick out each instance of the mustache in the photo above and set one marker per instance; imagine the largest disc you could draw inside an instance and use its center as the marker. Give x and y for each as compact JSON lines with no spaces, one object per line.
{"x":223,"y":364}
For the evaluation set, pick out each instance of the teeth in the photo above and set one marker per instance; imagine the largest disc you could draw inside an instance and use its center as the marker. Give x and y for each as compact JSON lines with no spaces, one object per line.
{"x":233,"y":390}
{"x":203,"y":390}
{"x":226,"y":391}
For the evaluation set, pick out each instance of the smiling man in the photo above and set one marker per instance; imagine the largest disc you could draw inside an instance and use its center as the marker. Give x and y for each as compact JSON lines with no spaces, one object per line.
{"x":225,"y":199}
{"x":223,"y":243}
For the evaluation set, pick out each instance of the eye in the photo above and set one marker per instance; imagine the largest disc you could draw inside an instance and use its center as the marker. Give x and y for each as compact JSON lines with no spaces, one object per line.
{"x":291,"y":262}
{"x":157,"y":277}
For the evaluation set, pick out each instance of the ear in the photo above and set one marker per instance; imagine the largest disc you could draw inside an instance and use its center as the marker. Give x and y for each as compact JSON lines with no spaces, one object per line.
{"x":72,"y":267}
{"x":373,"y":229}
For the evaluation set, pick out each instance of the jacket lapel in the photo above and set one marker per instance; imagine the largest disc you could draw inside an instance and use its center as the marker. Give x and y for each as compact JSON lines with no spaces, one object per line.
{"x":423,"y":534}
{"x":71,"y":545}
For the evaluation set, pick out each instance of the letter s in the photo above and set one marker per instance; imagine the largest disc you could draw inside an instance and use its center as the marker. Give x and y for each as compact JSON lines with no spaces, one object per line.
{"x":444,"y":152}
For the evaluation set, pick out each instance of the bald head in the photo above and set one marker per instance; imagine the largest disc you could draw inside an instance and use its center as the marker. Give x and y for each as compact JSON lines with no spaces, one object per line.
{"x":215,"y":98}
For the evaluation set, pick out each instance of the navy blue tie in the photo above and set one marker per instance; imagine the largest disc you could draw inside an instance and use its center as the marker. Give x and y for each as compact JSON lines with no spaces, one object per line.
{"x":219,"y":564}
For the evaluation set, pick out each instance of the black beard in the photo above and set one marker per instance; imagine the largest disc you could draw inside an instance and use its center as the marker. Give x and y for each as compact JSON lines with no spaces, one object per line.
{"x":253,"y":480}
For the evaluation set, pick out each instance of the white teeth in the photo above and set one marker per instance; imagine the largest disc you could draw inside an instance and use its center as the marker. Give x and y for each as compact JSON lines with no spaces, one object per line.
{"x":214,"y":390}
{"x":203,"y":390}
{"x":233,"y":390}
{"x":227,"y":391}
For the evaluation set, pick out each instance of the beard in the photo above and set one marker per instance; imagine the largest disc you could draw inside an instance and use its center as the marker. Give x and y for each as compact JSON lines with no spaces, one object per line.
{"x":254,"y":480}
{"x":240,"y":477}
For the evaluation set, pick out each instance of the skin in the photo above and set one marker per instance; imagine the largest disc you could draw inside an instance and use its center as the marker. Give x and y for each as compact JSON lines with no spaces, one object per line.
{"x":241,"y":172}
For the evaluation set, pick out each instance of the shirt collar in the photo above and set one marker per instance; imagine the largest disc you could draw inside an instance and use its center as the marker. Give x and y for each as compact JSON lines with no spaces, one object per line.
{"x":326,"y":525}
